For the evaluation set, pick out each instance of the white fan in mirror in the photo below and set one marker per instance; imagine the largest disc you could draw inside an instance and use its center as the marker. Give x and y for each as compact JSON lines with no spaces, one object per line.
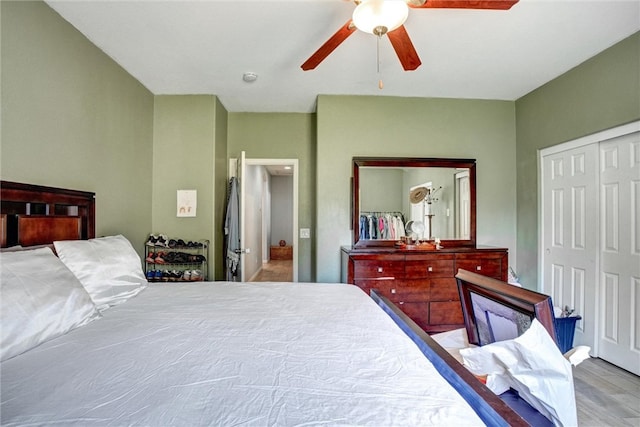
{"x":413,"y":238}
{"x":414,"y":229}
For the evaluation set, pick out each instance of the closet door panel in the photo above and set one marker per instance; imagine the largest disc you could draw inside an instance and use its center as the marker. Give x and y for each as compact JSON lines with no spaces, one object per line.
{"x":619,"y":337}
{"x":569,"y":240}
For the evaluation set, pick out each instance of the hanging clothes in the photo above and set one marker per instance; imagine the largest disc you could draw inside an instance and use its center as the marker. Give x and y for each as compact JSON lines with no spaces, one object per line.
{"x":232,"y":231}
{"x":381,"y":225}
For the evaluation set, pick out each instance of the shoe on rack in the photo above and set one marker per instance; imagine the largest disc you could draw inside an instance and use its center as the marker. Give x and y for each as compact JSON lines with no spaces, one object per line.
{"x":186,"y":275}
{"x":151,"y":258}
{"x":196,"y":275}
{"x":157,"y":275}
{"x":172,"y":243}
{"x":168,"y":257}
{"x":159,"y":258}
{"x":176,"y":275}
{"x":151,"y":241}
{"x":162,"y":241}
{"x":180,"y":258}
{"x":150,"y":276}
{"x":197,"y":259}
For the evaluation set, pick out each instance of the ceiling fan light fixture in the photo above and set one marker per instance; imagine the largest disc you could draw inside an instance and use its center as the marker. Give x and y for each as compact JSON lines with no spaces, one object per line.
{"x":380,"y":16}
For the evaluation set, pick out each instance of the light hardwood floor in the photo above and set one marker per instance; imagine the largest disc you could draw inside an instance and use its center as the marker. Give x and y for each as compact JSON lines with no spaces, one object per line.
{"x":275,"y":271}
{"x":605,"y":394}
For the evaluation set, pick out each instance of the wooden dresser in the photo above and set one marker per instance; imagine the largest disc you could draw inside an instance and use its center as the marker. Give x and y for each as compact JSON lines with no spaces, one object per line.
{"x":422,"y":283}
{"x":281,"y":252}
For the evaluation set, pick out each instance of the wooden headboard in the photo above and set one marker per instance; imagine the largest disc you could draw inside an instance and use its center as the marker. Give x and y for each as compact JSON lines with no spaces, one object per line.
{"x":38,"y":215}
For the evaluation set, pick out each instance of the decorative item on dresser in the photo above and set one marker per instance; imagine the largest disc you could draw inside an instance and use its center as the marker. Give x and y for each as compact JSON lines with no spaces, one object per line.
{"x":415,"y":271}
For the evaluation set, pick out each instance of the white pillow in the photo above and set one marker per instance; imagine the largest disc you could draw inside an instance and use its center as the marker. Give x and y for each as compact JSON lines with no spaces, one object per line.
{"x":533,"y":365}
{"x":41,"y":299}
{"x":108,"y":267}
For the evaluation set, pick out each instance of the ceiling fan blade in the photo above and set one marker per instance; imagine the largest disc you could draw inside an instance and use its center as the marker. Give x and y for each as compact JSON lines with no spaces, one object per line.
{"x":404,"y":48}
{"x":329,"y":46}
{"x":463,"y":4}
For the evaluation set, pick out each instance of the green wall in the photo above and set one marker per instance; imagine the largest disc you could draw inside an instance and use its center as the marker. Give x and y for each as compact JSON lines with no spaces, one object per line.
{"x":351,"y":126}
{"x":599,"y":94}
{"x":283,"y":136}
{"x":184,"y":158}
{"x":72,"y":118}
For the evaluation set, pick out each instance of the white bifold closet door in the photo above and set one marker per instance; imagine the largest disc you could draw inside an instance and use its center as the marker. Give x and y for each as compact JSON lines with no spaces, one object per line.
{"x":590,"y":242}
{"x":570,"y":237}
{"x":619,"y":293}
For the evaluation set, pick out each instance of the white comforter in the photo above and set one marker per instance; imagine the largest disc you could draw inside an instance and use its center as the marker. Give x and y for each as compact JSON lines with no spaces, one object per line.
{"x":250,"y":354}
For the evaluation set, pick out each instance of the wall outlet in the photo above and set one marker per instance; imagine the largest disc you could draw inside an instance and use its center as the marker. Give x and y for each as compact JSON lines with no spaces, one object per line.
{"x":305,"y":233}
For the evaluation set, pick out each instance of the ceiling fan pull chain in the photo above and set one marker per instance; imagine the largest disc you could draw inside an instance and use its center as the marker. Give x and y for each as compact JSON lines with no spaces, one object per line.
{"x":380,"y":84}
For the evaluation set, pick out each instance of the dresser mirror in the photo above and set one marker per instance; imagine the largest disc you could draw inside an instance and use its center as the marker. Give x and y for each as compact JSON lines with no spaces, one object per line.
{"x":413,"y":199}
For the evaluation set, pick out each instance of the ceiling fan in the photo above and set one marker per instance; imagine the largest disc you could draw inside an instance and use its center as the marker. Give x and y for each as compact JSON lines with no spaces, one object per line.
{"x":380,"y":17}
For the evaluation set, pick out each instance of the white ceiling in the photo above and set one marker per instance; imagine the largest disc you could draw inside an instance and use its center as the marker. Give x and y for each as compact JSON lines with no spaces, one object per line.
{"x":205,"y":46}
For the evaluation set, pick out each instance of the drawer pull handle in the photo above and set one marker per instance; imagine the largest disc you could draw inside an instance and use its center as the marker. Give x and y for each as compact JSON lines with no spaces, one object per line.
{"x":379,"y":269}
{"x":429,"y":268}
{"x":393,"y":291}
{"x":478,"y":267}
{"x":401,"y":302}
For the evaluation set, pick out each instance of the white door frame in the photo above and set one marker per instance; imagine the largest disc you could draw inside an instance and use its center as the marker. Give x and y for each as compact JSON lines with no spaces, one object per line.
{"x":294,"y":163}
{"x":576,"y":143}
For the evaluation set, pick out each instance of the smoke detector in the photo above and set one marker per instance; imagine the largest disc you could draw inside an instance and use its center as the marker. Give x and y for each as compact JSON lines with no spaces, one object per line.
{"x":249,"y":77}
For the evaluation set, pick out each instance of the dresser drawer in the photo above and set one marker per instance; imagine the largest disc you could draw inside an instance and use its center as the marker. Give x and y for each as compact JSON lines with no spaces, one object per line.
{"x":386,"y":287}
{"x":417,"y":311}
{"x":413,"y":290}
{"x":442,"y":289}
{"x":491,"y":266}
{"x":430,"y":266}
{"x":389,"y":267}
{"x":445,"y":313}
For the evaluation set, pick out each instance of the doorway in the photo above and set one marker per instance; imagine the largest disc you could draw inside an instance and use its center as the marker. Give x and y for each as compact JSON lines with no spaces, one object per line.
{"x":268,"y":192}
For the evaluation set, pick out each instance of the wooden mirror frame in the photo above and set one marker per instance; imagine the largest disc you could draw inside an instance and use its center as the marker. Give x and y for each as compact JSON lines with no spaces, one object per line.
{"x":411,"y":162}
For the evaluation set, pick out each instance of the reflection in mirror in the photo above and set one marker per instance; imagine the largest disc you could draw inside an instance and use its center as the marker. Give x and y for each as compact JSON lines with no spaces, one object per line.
{"x":433,"y":201}
{"x":423,"y":199}
{"x":496,"y":322}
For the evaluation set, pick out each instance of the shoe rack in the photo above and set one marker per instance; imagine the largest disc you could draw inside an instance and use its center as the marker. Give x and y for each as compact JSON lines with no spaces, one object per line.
{"x":175,"y":260}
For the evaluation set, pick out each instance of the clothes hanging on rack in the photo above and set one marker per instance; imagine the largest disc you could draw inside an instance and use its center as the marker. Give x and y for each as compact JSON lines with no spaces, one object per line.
{"x":381,"y":225}
{"x":232,"y":231}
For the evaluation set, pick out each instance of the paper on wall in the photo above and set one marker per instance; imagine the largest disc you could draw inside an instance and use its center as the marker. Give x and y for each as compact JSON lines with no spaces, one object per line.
{"x":187,"y":203}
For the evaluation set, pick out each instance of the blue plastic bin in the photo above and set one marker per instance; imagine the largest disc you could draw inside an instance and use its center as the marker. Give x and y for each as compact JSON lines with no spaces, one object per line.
{"x":565,"y":330}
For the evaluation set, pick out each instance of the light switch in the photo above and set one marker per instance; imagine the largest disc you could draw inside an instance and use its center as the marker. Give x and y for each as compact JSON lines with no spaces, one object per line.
{"x":305,"y":233}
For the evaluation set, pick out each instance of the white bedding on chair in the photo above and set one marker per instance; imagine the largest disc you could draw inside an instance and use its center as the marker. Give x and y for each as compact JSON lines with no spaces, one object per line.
{"x":247,"y":354}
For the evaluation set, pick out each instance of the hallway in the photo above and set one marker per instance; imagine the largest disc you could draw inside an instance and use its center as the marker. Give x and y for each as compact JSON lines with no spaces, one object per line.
{"x":275,"y":271}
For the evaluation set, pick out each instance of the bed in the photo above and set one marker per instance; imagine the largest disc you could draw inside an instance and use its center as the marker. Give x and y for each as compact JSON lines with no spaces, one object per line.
{"x":208,"y":353}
